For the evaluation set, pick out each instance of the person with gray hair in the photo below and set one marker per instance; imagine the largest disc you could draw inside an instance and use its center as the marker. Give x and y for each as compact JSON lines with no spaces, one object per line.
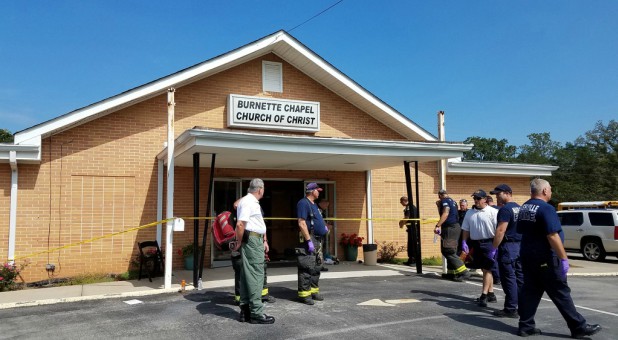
{"x":545,"y":264}
{"x":250,"y":231}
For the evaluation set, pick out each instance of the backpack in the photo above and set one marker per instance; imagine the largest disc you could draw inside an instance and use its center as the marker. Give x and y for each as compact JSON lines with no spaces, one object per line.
{"x":223,"y":231}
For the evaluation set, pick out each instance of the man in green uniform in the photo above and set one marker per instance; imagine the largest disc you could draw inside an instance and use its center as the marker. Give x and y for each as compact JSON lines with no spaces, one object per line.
{"x":250,"y":228}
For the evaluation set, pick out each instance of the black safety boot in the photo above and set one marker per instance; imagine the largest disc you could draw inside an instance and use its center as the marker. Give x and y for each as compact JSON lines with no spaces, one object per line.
{"x":317,"y":297}
{"x":586,"y":331}
{"x":245,"y":313}
{"x":503,"y":313}
{"x":308,"y":301}
{"x":268,"y":298}
{"x":483,"y":300}
{"x":530,"y":332}
{"x":264,"y":319}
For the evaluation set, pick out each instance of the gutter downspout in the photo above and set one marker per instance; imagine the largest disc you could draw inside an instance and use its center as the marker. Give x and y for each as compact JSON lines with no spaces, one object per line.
{"x":442,"y":168}
{"x":369,"y":208}
{"x":13,"y":206}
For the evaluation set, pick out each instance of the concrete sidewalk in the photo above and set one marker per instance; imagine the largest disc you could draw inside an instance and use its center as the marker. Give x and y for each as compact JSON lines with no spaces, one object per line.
{"x":224,"y":277}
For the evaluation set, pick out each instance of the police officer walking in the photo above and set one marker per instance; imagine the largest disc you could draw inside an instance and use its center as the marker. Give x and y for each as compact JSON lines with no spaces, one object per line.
{"x":507,"y":241}
{"x":450,"y":230}
{"x":250,"y":231}
{"x":545,"y":264}
{"x":312,"y":229}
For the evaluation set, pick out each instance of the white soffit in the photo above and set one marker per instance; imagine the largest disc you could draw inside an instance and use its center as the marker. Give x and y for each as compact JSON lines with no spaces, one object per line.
{"x":498,"y":169}
{"x":274,"y":151}
{"x":280,"y":43}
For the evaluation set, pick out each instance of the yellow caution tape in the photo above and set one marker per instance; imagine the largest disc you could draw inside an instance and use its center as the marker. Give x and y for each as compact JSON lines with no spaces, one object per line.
{"x":429,"y":220}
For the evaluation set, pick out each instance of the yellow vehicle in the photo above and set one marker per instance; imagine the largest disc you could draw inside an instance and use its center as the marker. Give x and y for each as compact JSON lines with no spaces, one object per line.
{"x":588,"y":205}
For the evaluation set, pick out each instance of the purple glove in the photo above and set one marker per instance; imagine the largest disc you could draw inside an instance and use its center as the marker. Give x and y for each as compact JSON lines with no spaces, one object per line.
{"x":464,"y":247}
{"x":564,"y":263}
{"x":310,"y":246}
{"x":492,"y":253}
{"x":437,"y":230}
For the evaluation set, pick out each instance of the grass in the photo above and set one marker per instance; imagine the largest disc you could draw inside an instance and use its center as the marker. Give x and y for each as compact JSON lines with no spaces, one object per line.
{"x":428,"y":261}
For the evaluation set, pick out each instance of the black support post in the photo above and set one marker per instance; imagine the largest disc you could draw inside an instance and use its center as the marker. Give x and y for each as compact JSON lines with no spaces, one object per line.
{"x":196,"y":213}
{"x":417,"y":215}
{"x":412,"y":209}
{"x":211,"y":184}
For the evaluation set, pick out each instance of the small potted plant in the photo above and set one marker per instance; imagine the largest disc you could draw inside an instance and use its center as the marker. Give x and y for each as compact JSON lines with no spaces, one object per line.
{"x":350,"y":244}
{"x":187,"y":254}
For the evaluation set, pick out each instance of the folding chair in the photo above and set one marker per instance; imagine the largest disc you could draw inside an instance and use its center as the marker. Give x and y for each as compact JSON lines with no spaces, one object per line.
{"x":151,"y":258}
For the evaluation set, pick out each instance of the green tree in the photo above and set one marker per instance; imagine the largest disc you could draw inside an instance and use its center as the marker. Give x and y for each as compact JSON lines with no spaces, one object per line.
{"x":6,"y":136}
{"x":588,"y":166}
{"x":541,"y":150}
{"x":490,"y":150}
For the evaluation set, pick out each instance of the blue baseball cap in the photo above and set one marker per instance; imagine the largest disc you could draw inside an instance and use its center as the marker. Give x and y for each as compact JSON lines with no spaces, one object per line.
{"x":313,"y":186}
{"x":501,"y":188}
{"x":479,"y":194}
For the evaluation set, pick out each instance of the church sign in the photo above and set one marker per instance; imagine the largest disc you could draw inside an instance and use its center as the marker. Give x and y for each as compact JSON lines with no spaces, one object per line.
{"x":273,"y":114}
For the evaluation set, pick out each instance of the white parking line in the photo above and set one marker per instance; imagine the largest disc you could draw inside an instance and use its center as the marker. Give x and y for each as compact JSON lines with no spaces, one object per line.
{"x":548,"y":300}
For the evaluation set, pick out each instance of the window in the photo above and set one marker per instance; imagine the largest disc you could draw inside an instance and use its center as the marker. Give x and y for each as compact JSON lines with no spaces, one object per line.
{"x":601,"y":219}
{"x":272,"y":76}
{"x":571,"y":218}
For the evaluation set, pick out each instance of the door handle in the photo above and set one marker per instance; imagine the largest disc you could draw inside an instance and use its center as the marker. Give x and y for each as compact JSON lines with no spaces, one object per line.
{"x":580,"y":230}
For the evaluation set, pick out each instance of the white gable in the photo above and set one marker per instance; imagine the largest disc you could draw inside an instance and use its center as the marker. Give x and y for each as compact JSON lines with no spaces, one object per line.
{"x":279,"y":43}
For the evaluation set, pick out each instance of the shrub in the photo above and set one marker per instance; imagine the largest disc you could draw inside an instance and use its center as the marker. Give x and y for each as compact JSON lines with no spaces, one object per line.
{"x":388,"y":250}
{"x":8,"y":273}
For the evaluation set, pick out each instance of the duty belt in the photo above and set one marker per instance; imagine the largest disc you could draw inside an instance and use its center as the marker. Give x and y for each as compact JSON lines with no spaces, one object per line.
{"x":253,"y":233}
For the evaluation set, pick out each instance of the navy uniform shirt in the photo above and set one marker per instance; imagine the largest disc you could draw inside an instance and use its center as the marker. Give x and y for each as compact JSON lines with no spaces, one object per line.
{"x":536,"y":220}
{"x":508,"y":213}
{"x":315,"y":225}
{"x":453,"y":216}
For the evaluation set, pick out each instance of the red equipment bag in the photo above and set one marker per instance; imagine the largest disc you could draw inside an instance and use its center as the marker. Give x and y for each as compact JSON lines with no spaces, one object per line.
{"x":223,"y":231}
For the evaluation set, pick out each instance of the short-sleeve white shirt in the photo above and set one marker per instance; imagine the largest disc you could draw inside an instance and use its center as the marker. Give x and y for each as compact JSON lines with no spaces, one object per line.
{"x":249,"y":211}
{"x":481,"y":223}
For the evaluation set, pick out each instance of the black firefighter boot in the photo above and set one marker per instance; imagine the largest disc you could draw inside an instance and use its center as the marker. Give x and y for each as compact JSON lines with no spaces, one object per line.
{"x":245,"y":313}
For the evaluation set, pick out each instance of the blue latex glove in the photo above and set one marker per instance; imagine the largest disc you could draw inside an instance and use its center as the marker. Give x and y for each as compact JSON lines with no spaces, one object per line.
{"x":437,"y":230}
{"x":564,"y":263}
{"x":310,"y":246}
{"x":492,"y":253}
{"x":464,"y":247}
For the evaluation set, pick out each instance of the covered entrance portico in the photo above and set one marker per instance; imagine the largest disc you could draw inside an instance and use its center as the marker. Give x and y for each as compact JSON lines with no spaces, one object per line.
{"x":276,"y":152}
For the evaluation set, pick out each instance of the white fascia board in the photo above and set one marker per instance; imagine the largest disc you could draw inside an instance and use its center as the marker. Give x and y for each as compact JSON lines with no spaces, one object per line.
{"x":279,"y":143}
{"x":356,"y":88}
{"x":141,"y":93}
{"x":499,"y":169}
{"x":22,"y":153}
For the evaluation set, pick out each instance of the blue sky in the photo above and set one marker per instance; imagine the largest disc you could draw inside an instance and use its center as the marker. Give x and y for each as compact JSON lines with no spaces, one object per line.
{"x":501,"y":69}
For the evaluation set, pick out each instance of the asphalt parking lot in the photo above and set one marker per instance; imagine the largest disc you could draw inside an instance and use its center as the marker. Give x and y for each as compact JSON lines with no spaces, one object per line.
{"x":403,"y":306}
